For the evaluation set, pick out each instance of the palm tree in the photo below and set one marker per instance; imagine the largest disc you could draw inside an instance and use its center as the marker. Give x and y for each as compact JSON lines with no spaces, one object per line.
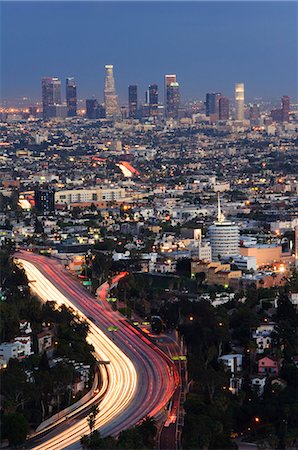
{"x":91,"y":419}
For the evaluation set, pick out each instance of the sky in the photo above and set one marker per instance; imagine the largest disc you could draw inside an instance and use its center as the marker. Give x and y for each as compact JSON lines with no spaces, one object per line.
{"x":209,"y":45}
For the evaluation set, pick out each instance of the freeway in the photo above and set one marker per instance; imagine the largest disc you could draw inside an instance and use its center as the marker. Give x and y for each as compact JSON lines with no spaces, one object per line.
{"x":141,"y":378}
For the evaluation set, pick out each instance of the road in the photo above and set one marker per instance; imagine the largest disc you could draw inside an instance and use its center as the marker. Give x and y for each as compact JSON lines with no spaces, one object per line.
{"x":141,"y":378}
{"x":170,"y":435}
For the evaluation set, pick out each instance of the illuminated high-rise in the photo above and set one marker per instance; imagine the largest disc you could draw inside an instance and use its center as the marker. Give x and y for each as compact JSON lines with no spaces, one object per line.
{"x":212,"y":105}
{"x":168,"y":80}
{"x":51,"y":94}
{"x":239,"y":102}
{"x":132,"y":101}
{"x":110,"y":97}
{"x":71,"y":97}
{"x":173,"y":100}
{"x":153,"y":99}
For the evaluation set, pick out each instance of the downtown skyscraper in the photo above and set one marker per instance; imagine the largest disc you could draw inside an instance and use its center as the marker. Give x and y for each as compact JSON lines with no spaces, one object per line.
{"x":51,"y":94}
{"x":71,"y":97}
{"x":153,"y":99}
{"x":223,"y":108}
{"x":132,"y":101}
{"x":110,"y":97}
{"x":239,"y":102}
{"x":172,"y":96}
{"x":168,"y":80}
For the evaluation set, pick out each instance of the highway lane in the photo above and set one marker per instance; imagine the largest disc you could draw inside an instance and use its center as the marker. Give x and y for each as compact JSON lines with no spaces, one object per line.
{"x":142,"y":379}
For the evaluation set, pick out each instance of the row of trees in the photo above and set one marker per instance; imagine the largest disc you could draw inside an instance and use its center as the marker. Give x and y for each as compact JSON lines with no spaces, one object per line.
{"x":140,"y":437}
{"x":31,"y":390}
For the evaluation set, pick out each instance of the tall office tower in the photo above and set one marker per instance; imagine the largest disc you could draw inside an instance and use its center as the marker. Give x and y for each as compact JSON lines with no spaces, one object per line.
{"x":239,"y":101}
{"x":223,"y":108}
{"x":224,"y":236}
{"x":94,"y":110}
{"x":71,"y":97}
{"x":153,"y":99}
{"x":212,"y":105}
{"x":168,"y":80}
{"x":51,"y":94}
{"x":285,"y":108}
{"x":254,"y":112}
{"x":44,"y":200}
{"x":110,"y":97}
{"x":173,"y":100}
{"x":147,"y":97}
{"x":282,"y":114}
{"x":132,"y":101}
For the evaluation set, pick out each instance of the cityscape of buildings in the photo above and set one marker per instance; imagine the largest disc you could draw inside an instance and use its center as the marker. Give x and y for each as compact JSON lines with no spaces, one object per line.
{"x":149,"y":247}
{"x":217,"y":107}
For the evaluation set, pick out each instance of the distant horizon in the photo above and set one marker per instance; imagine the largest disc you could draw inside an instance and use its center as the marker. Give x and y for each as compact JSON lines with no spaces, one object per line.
{"x":209,"y":45}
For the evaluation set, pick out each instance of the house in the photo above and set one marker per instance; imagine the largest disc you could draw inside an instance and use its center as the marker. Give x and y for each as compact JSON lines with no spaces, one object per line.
{"x":262,"y":336}
{"x":264,"y":329}
{"x":233,"y":362}
{"x":162,"y":265}
{"x":263,"y":343}
{"x":26,"y":343}
{"x":258,"y":383}
{"x":10,"y":350}
{"x":45,"y":340}
{"x":269,"y":365}
{"x":25,"y":327}
{"x":235,"y":385}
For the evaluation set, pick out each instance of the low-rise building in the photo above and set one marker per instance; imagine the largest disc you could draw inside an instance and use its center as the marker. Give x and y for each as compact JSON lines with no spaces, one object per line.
{"x":45,"y":340}
{"x":232,"y":361}
{"x":265,"y":254}
{"x":258,"y":383}
{"x":269,"y":365}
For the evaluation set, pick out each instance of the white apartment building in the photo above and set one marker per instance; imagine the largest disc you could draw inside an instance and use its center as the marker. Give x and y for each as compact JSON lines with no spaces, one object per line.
{"x":104,"y":194}
{"x":20,"y":348}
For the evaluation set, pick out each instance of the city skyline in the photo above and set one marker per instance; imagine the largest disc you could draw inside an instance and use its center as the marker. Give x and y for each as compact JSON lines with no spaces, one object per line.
{"x":232,"y":53}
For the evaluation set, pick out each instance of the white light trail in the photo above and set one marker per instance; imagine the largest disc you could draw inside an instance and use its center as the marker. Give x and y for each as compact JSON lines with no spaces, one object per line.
{"x":122,"y":374}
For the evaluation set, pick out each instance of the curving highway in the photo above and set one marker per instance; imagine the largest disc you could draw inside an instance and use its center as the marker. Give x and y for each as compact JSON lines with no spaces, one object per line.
{"x":141,"y":378}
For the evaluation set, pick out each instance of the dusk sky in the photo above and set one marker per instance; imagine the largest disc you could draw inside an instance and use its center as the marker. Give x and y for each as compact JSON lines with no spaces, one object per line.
{"x":209,"y":45}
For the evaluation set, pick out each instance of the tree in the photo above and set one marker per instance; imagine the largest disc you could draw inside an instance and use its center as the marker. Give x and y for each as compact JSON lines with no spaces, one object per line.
{"x":91,"y":419}
{"x":183,"y":267}
{"x":148,"y":430}
{"x":15,"y":428}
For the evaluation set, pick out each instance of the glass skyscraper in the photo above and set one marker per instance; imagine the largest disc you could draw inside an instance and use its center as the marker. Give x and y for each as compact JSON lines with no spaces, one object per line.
{"x":110,"y":97}
{"x":51,"y":94}
{"x":173,"y":100}
{"x":153,"y":99}
{"x":132,"y":100}
{"x":71,"y":97}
